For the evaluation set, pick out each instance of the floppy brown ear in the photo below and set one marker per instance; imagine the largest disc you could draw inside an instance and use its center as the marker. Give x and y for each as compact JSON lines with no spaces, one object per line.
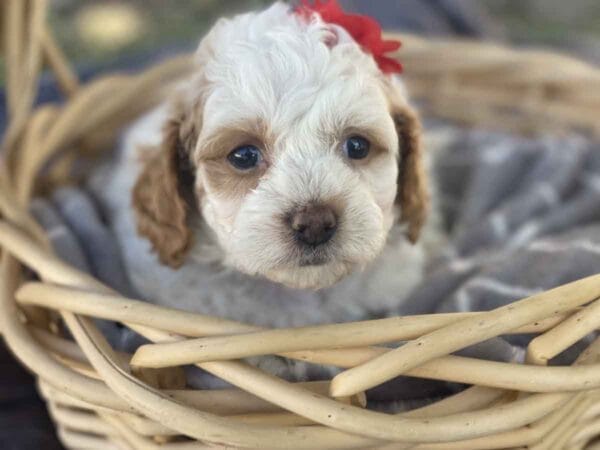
{"x":159,"y":197}
{"x":413,"y":195}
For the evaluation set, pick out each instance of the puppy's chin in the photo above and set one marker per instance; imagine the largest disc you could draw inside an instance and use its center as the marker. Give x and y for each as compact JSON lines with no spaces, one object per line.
{"x":312,"y":277}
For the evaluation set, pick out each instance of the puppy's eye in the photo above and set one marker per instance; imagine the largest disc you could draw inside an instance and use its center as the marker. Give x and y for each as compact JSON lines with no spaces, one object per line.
{"x":357,"y":147}
{"x":245,"y":157}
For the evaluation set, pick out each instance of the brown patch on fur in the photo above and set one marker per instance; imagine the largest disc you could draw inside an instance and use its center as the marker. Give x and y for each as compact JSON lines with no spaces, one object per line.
{"x":227,"y":138}
{"x":217,"y":171}
{"x":159,"y":195}
{"x":224,"y":180}
{"x":413,"y":195}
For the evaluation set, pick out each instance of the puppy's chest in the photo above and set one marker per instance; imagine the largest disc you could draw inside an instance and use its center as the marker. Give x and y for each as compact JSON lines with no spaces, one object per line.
{"x":233,"y":296}
{"x":212,"y":290}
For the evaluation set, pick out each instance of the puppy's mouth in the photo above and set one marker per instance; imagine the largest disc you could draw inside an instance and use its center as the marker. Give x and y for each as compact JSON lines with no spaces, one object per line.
{"x":313,"y":260}
{"x":308,"y":255}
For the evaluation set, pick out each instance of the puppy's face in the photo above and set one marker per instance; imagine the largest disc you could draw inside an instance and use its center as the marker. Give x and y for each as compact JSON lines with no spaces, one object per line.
{"x":300,"y":157}
{"x":305,"y":198}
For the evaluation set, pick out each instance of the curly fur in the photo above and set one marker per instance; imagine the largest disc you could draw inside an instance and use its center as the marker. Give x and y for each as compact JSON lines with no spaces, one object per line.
{"x":413,"y":195}
{"x":161,"y":210}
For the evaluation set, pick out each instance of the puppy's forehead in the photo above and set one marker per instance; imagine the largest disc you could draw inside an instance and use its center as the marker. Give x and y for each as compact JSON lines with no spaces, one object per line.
{"x":272,"y":66}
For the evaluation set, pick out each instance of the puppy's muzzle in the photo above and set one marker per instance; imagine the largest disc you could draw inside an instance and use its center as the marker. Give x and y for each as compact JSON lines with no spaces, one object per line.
{"x":313,"y":225}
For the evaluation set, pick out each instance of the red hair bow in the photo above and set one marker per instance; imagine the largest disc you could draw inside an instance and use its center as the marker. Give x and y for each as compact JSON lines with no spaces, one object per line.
{"x":365,"y":30}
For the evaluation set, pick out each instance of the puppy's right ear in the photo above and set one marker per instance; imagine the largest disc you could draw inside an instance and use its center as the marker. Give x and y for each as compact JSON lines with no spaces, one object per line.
{"x":159,"y":196}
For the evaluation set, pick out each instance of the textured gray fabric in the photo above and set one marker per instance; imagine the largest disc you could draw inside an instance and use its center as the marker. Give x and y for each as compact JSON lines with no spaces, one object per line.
{"x":79,"y":237}
{"x":98,"y":243}
{"x":522,"y":216}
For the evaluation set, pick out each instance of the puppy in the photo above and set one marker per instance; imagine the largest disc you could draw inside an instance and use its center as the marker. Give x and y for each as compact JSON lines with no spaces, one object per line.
{"x":282,"y":184}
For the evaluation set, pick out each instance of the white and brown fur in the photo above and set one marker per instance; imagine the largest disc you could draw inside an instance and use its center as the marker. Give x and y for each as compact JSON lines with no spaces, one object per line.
{"x":200,"y":236}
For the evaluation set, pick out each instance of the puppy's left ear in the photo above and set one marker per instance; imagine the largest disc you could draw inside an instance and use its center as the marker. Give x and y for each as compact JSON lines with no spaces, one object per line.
{"x":413,"y":194}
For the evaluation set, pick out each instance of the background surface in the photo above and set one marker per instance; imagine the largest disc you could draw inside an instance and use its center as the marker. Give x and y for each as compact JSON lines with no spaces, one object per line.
{"x":95,"y":31}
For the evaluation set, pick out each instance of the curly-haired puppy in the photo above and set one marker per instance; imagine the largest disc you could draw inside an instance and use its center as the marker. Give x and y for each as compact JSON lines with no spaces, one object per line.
{"x":282,"y":184}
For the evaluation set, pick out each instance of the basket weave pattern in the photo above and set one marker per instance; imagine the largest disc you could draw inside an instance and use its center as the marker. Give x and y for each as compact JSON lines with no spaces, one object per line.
{"x":103,"y":399}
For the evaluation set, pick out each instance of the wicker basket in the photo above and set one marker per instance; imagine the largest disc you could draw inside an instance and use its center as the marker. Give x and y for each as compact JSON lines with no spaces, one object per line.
{"x":103,"y":399}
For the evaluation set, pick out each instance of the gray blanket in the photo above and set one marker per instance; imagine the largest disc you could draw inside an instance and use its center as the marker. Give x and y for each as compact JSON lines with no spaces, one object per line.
{"x":523,"y":216}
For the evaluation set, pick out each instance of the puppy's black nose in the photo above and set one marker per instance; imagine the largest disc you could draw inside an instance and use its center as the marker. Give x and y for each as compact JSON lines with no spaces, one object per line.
{"x":314,"y":224}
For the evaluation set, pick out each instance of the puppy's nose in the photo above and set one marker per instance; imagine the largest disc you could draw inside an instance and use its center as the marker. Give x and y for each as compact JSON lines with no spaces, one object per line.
{"x":314,"y":224}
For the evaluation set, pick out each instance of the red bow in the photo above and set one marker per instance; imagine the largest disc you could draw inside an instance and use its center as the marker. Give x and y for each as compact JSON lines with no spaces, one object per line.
{"x":365,"y":30}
